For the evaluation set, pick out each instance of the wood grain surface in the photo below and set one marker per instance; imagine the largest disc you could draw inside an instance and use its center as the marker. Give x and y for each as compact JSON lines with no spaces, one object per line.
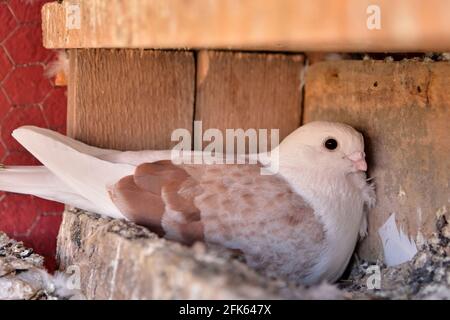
{"x":130,"y":99}
{"x":270,"y":25}
{"x":249,"y":90}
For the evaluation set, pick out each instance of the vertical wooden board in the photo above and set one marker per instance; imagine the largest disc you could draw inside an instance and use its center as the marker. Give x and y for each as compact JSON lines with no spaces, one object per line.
{"x":249,"y":90}
{"x":130,"y":99}
{"x":403,"y":109}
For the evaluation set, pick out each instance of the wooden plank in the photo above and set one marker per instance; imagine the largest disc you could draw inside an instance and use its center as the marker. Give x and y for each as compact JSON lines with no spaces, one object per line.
{"x":248,"y":90}
{"x":288,"y":25}
{"x":130,"y":99}
{"x":403,"y":109}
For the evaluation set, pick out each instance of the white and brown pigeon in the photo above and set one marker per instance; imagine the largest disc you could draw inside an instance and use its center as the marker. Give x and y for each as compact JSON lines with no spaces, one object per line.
{"x":301,"y":223}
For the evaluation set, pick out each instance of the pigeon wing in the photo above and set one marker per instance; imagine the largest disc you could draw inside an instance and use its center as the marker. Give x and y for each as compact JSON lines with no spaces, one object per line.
{"x":230,"y":205}
{"x":153,"y":192}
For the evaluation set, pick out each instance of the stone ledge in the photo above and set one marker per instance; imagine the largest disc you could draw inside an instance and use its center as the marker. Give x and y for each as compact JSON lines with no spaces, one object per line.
{"x":120,"y":260}
{"x":23,"y":276}
{"x":15,"y":259}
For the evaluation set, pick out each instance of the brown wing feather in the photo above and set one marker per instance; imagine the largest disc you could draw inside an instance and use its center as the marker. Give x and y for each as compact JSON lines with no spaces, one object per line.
{"x":153,"y":190}
{"x":138,"y":205}
{"x":154,"y":176}
{"x":260,"y":215}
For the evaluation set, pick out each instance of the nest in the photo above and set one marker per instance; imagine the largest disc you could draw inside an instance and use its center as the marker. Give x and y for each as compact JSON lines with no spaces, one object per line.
{"x":23,"y":277}
{"x":426,"y":276}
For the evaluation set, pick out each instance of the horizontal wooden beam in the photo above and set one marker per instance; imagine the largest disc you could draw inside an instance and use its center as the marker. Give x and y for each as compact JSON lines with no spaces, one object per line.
{"x":286,"y":25}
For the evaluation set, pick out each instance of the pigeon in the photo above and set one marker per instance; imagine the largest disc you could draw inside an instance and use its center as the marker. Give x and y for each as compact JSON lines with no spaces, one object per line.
{"x":300,"y":223}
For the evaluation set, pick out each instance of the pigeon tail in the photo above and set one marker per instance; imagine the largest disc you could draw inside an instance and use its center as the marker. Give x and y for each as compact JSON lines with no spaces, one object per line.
{"x":40,"y":182}
{"x":76,"y":165}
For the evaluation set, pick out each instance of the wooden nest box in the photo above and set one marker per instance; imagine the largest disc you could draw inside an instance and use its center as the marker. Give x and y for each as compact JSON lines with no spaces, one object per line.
{"x":140,"y":69}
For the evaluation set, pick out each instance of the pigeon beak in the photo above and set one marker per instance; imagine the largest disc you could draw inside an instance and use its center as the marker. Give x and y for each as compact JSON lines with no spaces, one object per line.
{"x":359,"y":161}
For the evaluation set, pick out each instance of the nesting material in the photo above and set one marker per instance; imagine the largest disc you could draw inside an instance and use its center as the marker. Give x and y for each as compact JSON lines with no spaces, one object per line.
{"x":426,"y":276}
{"x":23,"y":277}
{"x":59,"y":68}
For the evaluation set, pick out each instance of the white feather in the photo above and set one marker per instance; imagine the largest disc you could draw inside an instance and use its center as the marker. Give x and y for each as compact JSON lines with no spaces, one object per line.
{"x":61,"y":64}
{"x":135,"y":158}
{"x":73,"y":164}
{"x":40,"y":182}
{"x":397,"y":246}
{"x":69,"y":142}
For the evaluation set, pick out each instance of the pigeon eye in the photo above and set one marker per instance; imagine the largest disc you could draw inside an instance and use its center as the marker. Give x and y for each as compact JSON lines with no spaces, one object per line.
{"x":331,"y":144}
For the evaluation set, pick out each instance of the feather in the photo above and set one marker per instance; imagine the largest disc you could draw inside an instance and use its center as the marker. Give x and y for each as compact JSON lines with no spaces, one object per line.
{"x":69,"y":142}
{"x":156,"y":189}
{"x":59,"y":68}
{"x":87,"y":175}
{"x":398,"y":247}
{"x":40,"y":182}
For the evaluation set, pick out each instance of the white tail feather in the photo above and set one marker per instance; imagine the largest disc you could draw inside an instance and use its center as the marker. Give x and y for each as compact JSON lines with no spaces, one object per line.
{"x":72,"y":143}
{"x":40,"y":182}
{"x":75,"y":164}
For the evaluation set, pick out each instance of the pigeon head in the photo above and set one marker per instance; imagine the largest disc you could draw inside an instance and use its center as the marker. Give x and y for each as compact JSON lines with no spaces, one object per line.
{"x":325,"y":145}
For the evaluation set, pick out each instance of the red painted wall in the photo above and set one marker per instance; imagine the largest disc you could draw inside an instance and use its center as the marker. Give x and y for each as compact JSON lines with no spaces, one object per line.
{"x":27,"y":97}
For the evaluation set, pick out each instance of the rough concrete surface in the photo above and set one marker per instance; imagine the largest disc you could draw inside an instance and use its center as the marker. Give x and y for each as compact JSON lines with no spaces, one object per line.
{"x":23,"y":277}
{"x":120,"y":260}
